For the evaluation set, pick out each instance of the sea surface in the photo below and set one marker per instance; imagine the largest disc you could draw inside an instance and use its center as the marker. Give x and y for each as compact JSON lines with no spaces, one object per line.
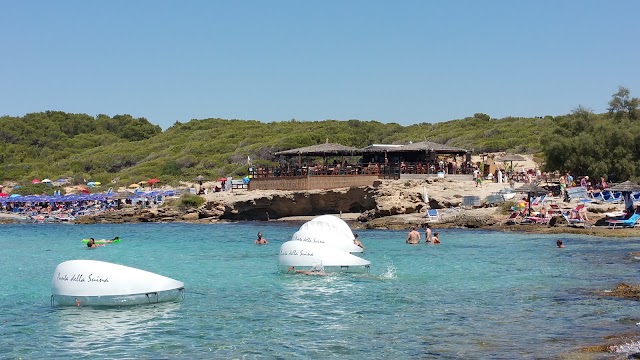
{"x":479,"y":294}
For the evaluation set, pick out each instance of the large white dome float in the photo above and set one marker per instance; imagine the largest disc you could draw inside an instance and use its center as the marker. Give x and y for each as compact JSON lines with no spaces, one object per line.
{"x":325,"y":242}
{"x":99,"y":283}
{"x":328,"y":230}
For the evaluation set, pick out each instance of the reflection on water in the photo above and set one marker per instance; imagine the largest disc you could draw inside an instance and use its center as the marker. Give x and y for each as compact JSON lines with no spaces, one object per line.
{"x":90,"y":331}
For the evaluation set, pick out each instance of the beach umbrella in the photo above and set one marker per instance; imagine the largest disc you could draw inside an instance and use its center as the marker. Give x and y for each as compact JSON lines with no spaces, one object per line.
{"x":153,"y":181}
{"x":35,"y":181}
{"x":222,"y":179}
{"x":134,"y":186}
{"x":629,"y":186}
{"x":4,"y":194}
{"x":91,"y":184}
{"x":511,"y":158}
{"x":626,"y":188}
{"x":15,"y":195}
{"x":142,"y":183}
{"x":199,"y":179}
{"x":46,"y":181}
{"x":531,"y":190}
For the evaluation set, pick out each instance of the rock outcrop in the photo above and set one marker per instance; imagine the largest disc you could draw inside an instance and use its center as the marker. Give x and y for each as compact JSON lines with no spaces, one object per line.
{"x":266,"y":205}
{"x":389,"y":198}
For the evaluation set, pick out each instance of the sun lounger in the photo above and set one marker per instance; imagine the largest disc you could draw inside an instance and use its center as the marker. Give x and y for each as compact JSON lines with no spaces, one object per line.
{"x":578,"y":193}
{"x":630,"y":222}
{"x":536,"y":219}
{"x":511,"y":220}
{"x":612,"y":197}
{"x":494,"y":199}
{"x":573,"y":221}
{"x":433,"y":215}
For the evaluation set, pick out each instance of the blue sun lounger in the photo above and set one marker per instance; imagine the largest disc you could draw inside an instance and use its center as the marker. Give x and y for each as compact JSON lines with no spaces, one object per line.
{"x":630,"y":222}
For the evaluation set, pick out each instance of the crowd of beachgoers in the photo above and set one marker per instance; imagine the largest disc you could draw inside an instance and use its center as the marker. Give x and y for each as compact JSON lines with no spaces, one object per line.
{"x":66,"y":208}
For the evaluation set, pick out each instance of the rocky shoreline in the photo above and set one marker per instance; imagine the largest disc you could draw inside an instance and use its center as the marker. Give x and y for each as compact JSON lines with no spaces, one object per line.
{"x":393,"y":204}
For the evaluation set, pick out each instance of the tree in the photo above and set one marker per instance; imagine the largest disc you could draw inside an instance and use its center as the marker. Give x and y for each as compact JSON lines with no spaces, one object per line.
{"x":622,"y":105}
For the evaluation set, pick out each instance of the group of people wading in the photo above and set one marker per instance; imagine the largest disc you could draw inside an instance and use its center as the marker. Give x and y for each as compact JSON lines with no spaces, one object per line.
{"x":430,"y":236}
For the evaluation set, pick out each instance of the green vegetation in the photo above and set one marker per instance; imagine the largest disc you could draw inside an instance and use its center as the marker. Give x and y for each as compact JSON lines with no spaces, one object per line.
{"x":597,"y":145}
{"x":188,"y":201}
{"x":126,"y":150}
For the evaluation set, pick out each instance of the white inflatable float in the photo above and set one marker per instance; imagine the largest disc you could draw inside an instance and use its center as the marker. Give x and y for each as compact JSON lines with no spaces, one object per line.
{"x":99,"y":283}
{"x":328,"y":230}
{"x":300,"y":254}
{"x":326,"y":242}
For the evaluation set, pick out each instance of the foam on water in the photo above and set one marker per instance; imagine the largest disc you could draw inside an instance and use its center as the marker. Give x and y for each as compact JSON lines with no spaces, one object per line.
{"x":390,"y":273}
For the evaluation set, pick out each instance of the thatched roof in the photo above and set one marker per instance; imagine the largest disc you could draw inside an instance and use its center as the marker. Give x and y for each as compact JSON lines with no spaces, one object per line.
{"x":531,"y":188}
{"x":381,"y":148}
{"x":337,"y":149}
{"x":628,"y":186}
{"x":511,"y":157}
{"x":431,"y":146}
{"x":418,"y":146}
{"x":321,"y":150}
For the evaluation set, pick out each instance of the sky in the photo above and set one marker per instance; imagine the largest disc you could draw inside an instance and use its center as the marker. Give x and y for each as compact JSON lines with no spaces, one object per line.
{"x":405,"y":61}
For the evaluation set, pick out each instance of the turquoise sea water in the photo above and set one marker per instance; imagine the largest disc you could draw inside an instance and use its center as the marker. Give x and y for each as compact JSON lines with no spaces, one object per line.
{"x":479,"y":294}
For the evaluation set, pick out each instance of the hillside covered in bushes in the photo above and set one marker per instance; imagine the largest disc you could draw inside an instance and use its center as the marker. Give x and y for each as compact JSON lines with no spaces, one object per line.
{"x":55,"y":144}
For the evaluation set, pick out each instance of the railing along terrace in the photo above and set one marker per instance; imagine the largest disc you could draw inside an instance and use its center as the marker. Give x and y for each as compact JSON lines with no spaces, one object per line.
{"x":387,"y":170}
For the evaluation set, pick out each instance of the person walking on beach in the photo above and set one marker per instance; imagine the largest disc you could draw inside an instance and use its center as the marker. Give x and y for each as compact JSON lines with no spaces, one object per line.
{"x":413,"y":237}
{"x":427,"y":234}
{"x":260,"y":240}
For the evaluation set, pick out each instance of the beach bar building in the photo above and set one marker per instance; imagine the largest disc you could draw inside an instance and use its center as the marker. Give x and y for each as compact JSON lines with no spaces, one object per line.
{"x":329,"y":166}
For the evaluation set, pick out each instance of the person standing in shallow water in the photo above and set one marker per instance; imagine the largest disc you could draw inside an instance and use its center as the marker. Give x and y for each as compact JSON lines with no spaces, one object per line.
{"x":427,"y":234}
{"x":413,"y":237}
{"x":436,"y":238}
{"x":260,"y":240}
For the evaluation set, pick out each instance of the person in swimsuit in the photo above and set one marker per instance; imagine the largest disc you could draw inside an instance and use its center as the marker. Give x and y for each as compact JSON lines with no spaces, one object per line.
{"x":436,"y":238}
{"x":356,"y":241}
{"x":260,"y":240}
{"x":413,"y":237}
{"x":91,"y":244}
{"x":427,"y":234}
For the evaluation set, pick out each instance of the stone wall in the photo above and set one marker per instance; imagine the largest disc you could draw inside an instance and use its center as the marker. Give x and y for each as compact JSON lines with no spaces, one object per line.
{"x":301,"y":183}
